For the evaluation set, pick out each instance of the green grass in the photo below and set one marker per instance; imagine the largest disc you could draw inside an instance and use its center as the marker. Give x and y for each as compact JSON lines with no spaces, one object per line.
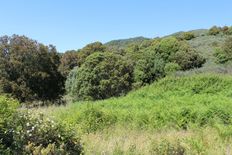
{"x":187,"y":104}
{"x":171,"y":102}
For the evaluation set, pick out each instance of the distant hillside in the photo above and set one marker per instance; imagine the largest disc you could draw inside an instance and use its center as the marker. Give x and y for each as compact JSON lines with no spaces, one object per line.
{"x":197,"y":33}
{"x":203,"y":43}
{"x":123,"y":43}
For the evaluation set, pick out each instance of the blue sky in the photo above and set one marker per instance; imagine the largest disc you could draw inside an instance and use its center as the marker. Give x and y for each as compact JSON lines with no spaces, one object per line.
{"x":71,"y":24}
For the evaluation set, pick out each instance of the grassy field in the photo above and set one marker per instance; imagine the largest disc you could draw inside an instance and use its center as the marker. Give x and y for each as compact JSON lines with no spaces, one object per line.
{"x":183,"y":115}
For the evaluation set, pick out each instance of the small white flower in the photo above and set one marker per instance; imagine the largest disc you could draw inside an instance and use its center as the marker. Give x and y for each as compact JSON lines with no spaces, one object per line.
{"x":28,"y":124}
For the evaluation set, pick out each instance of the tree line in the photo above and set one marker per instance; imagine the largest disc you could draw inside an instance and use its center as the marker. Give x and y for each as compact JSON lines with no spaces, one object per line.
{"x":31,"y":71}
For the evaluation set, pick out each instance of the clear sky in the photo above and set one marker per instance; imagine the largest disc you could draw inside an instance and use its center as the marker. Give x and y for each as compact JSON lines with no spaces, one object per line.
{"x":71,"y":24}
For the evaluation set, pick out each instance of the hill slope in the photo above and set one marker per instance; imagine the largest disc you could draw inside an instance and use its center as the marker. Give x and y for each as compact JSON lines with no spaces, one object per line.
{"x":185,"y":108}
{"x":123,"y":43}
{"x":169,"y":96}
{"x":203,"y":43}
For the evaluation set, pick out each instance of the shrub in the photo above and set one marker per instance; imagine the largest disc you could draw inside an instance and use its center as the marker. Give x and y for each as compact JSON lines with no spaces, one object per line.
{"x":148,"y":69}
{"x":68,"y":61}
{"x":150,"y":62}
{"x":171,"y":68}
{"x":35,"y":133}
{"x":227,"y":30}
{"x":24,"y":133}
{"x":220,"y":55}
{"x":7,"y":111}
{"x":90,"y":49}
{"x":224,"y":54}
{"x":189,"y":59}
{"x":214,"y":30}
{"x":172,"y":50}
{"x":103,"y":75}
{"x":167,"y":48}
{"x":187,"y":36}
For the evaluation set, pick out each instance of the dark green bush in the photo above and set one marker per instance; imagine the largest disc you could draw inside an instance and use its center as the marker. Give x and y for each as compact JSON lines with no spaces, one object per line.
{"x":148,"y":69}
{"x":68,"y":61}
{"x":103,"y":75}
{"x":172,"y":50}
{"x":29,"y":70}
{"x":90,"y":49}
{"x":164,"y":56}
{"x":167,"y":48}
{"x":189,"y":59}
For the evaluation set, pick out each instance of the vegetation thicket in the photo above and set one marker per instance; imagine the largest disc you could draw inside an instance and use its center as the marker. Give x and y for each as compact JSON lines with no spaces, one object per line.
{"x":101,"y":76}
{"x":169,"y":95}
{"x":191,"y":109}
{"x":29,"y":70}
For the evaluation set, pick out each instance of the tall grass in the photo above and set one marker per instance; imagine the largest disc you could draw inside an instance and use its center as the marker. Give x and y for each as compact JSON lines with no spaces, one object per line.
{"x":194,"y":105}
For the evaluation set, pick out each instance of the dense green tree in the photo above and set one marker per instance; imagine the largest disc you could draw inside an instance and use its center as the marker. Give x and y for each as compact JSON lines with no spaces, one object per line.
{"x":172,"y":50}
{"x":148,"y":69}
{"x":68,"y":61}
{"x":29,"y":70}
{"x":102,"y":75}
{"x":167,"y":48}
{"x":90,"y":49}
{"x":188,"y":59}
{"x":150,"y":61}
